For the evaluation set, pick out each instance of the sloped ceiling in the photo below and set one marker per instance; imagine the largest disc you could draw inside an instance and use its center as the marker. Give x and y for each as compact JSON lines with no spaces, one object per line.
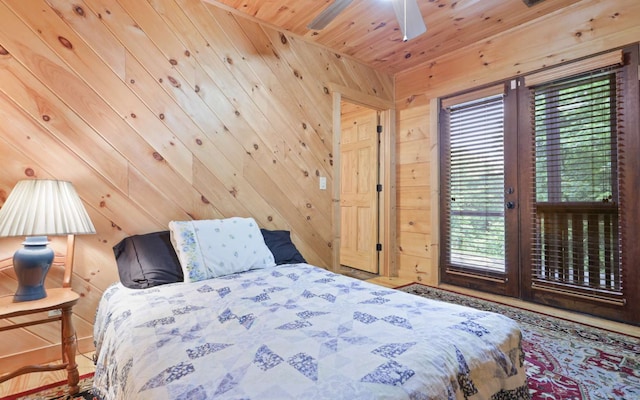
{"x":368,"y":30}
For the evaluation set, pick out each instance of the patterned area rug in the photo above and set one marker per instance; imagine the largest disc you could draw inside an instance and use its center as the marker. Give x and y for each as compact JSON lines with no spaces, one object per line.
{"x":564,"y":360}
{"x":57,"y":391}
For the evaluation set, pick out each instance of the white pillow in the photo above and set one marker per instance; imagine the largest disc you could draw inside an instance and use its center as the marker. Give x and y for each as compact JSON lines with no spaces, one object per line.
{"x":212,"y":248}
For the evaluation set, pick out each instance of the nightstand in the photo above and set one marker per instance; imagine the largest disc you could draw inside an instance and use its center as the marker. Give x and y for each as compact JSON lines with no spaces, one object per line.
{"x":61,"y":298}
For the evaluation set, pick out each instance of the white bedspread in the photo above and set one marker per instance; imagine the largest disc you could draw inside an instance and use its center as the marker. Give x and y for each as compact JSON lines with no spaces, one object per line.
{"x":299,"y":332}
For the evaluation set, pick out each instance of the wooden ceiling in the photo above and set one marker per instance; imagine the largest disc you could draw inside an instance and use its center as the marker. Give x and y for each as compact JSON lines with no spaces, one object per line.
{"x":368,"y":31}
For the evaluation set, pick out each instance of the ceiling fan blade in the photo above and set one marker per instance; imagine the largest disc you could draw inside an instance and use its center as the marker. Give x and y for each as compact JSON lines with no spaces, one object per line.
{"x":328,"y":14}
{"x":410,"y":19}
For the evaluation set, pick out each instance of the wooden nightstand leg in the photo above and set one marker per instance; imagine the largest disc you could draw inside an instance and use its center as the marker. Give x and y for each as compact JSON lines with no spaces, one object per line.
{"x":69,"y":347}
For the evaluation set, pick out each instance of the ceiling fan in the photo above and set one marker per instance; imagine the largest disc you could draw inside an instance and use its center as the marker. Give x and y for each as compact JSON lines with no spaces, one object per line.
{"x":407,"y":12}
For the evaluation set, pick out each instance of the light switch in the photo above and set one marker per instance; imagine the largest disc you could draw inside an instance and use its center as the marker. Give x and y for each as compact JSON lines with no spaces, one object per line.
{"x":323,"y":183}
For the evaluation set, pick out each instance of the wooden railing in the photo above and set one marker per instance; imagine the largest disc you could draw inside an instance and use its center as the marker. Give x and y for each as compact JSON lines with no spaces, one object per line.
{"x":577,"y":247}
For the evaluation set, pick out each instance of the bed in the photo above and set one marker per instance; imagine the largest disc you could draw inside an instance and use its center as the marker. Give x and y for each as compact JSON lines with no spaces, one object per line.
{"x":296,"y":331}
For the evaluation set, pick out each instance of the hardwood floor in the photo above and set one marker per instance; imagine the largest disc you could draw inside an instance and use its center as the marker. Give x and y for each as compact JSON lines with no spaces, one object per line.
{"x":390,"y":282}
{"x":373,"y":278}
{"x":26,"y":382}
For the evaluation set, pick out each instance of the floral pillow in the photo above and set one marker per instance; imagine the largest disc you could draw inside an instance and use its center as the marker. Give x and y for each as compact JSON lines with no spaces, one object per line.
{"x":212,"y":248}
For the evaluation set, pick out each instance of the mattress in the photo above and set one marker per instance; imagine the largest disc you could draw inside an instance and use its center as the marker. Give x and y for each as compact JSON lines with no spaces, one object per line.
{"x":299,"y":332}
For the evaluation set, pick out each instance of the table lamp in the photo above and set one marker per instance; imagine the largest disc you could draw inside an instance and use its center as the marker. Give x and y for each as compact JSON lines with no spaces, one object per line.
{"x":37,"y":208}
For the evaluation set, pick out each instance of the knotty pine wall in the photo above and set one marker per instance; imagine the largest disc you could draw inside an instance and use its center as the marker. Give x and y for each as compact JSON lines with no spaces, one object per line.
{"x":582,"y":29}
{"x":164,"y":110}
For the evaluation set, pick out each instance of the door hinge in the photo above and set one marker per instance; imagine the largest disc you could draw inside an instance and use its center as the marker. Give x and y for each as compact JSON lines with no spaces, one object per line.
{"x":378,"y":188}
{"x":379,"y":128}
{"x":378,"y":246}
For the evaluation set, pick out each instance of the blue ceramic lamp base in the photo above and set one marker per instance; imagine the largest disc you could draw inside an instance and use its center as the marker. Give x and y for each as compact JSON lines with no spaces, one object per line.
{"x":31,"y":264}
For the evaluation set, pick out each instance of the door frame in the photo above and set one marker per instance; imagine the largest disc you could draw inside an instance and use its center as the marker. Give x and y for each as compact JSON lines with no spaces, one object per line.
{"x":387,"y":214}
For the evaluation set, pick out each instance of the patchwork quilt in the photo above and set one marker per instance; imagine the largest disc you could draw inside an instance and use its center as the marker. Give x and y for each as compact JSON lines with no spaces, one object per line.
{"x":299,"y":332}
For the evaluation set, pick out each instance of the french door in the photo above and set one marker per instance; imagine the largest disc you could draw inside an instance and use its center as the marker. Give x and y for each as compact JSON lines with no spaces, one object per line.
{"x":479,"y":198}
{"x":538,"y":189}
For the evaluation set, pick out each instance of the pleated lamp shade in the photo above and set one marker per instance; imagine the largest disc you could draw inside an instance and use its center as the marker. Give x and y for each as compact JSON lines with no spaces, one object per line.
{"x":37,"y":209}
{"x":40,"y":207}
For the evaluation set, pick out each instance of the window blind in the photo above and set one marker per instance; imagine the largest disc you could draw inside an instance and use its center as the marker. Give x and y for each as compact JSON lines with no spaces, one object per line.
{"x":474,"y":186}
{"x":575,"y":144}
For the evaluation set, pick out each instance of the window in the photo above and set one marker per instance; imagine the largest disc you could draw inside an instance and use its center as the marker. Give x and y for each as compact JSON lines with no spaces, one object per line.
{"x":475,"y":166}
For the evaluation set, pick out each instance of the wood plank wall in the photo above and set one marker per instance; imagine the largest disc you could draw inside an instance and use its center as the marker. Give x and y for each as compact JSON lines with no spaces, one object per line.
{"x":582,"y":29}
{"x":161,"y":110}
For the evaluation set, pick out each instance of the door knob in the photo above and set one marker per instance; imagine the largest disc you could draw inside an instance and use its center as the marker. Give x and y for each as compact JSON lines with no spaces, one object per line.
{"x":510,"y":205}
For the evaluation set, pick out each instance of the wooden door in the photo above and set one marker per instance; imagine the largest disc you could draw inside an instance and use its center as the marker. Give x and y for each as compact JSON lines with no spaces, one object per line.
{"x":479,"y":196}
{"x":579,"y":237}
{"x":358,"y":188}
